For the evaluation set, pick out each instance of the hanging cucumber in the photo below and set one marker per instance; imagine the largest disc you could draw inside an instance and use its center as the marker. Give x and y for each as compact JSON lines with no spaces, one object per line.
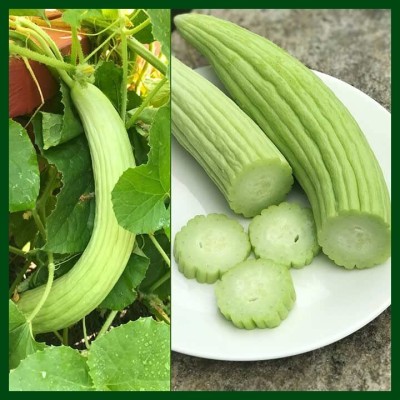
{"x":244,"y":164}
{"x":324,"y":145}
{"x":82,"y":289}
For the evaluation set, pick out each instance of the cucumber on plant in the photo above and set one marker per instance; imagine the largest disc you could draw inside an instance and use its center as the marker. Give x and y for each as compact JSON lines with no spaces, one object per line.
{"x":323,"y":143}
{"x":85,"y":286}
{"x":244,"y":164}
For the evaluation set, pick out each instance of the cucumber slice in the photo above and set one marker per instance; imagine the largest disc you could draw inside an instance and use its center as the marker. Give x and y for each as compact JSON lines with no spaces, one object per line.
{"x":209,"y":245}
{"x":256,"y":294}
{"x":285,"y":234}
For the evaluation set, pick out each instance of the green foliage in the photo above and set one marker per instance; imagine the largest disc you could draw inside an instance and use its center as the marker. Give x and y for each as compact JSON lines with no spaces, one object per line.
{"x":134,"y":356}
{"x":53,"y":211}
{"x":140,"y":194}
{"x":23,"y":172}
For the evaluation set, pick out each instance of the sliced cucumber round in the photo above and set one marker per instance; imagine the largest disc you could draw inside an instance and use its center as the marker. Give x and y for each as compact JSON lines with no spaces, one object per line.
{"x":209,"y":245}
{"x":256,"y":294}
{"x":286,"y":234}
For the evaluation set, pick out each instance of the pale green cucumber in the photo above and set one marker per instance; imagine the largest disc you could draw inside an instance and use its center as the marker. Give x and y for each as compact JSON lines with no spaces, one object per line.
{"x":324,"y":145}
{"x":244,"y":164}
{"x":256,"y":294}
{"x":83,"y":288}
{"x":285,"y":234}
{"x":207,"y":246}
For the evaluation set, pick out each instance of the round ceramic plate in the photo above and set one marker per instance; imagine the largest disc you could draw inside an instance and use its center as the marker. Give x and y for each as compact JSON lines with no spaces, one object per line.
{"x":331,"y":301}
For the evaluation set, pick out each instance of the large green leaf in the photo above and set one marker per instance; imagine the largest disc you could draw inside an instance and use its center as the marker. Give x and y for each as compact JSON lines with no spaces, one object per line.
{"x":74,"y":16}
{"x":140,"y":193}
{"x":70,"y":225}
{"x":59,"y":128}
{"x":30,"y":12}
{"x":161,"y":21}
{"x":108,"y":79}
{"x":145,"y":35}
{"x":53,"y":369}
{"x":23,"y":172}
{"x":20,"y":340}
{"x":157,"y":268}
{"x":134,"y":356}
{"x":124,"y":292}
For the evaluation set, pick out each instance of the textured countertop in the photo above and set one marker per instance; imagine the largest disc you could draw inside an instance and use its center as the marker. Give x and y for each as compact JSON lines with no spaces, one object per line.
{"x":352,"y":45}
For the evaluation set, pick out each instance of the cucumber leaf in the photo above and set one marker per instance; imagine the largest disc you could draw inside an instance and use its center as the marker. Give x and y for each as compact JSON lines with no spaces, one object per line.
{"x":20,"y":340}
{"x":157,"y":268}
{"x":139,"y":195}
{"x":108,"y":78}
{"x":124,"y":292}
{"x":161,"y":22}
{"x":53,"y":369}
{"x":70,"y":225}
{"x":145,"y":35}
{"x":56,"y":128}
{"x":23,"y":170}
{"x":134,"y":356}
{"x":30,"y":12}
{"x":75,"y":16}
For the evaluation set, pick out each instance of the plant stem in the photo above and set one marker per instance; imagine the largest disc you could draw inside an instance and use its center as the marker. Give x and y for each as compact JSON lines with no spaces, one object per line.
{"x":107,"y":323}
{"x":160,"y":281}
{"x":19,"y":277}
{"x":15,"y":49}
{"x":59,"y":337}
{"x":46,"y":290}
{"x":138,"y":28}
{"x":65,"y":337}
{"x":145,"y":103}
{"x":137,"y":47}
{"x":40,"y":32}
{"x":17,"y":251}
{"x":87,"y":344}
{"x":39,"y":224}
{"x":160,"y":249}
{"x":124,"y":60}
{"x":99,"y":47}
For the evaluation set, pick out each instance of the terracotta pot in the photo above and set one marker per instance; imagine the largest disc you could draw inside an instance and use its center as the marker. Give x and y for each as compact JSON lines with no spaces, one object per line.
{"x":24,"y":95}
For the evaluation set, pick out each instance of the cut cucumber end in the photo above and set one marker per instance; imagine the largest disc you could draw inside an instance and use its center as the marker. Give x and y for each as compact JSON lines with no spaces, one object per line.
{"x":209,"y":245}
{"x":260,"y":185}
{"x":354,"y":239}
{"x":285,"y":234}
{"x":256,"y":294}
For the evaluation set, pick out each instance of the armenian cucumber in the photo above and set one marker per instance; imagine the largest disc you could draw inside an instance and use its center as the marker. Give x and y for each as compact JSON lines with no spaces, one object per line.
{"x":85,"y":286}
{"x":324,"y":145}
{"x":244,"y":164}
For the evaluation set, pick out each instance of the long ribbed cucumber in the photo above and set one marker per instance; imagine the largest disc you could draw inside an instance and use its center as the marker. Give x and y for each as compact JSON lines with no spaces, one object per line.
{"x":82,"y":289}
{"x":324,"y":145}
{"x":245,"y":165}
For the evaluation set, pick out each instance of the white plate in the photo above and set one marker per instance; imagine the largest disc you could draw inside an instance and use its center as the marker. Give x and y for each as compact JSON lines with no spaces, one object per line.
{"x":331,"y":302}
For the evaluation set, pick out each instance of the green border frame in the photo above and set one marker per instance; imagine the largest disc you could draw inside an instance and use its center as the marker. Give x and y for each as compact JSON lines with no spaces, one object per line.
{"x":393,"y":5}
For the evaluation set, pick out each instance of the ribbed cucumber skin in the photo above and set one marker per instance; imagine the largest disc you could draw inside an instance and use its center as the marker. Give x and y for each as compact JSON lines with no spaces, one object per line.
{"x":229,"y":146}
{"x":324,"y":145}
{"x":82,"y":289}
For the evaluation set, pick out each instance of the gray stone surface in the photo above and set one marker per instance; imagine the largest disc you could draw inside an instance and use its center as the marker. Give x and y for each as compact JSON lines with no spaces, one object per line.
{"x":352,"y":45}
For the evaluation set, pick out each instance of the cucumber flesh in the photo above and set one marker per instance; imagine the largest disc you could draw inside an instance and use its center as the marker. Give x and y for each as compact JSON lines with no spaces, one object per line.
{"x":263,"y":183}
{"x":356,"y":240}
{"x":256,"y":294}
{"x":285,"y":234}
{"x":207,"y":246}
